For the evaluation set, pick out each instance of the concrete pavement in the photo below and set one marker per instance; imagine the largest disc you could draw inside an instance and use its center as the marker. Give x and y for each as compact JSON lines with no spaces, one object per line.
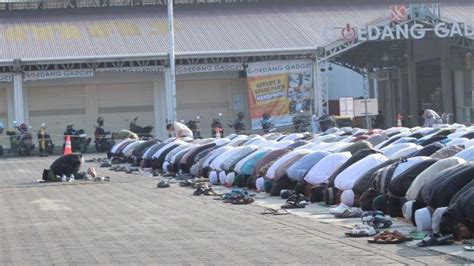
{"x":130,"y":221}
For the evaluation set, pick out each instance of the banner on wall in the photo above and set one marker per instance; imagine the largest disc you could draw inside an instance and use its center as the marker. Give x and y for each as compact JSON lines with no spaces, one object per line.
{"x":281,"y":89}
{"x":203,"y":68}
{"x":58,"y":74}
{"x":6,"y":77}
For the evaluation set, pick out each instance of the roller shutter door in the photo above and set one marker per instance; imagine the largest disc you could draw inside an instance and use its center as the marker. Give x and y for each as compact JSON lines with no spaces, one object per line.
{"x":57,"y":106}
{"x":120,"y":103}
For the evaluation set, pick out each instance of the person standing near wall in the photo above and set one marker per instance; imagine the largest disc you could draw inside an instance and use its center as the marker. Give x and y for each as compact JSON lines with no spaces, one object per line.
{"x":430,"y":117}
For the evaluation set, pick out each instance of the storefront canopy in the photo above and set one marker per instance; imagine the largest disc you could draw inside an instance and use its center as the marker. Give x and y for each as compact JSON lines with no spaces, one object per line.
{"x":50,"y":35}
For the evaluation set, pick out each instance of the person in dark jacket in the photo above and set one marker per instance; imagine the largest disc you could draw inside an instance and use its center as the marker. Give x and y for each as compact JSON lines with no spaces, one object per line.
{"x":66,"y":165}
{"x":438,"y":193}
{"x":458,"y":219}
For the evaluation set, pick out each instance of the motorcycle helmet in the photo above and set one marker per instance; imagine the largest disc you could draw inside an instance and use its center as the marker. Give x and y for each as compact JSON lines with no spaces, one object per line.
{"x":43,"y":125}
{"x":241,"y":115}
{"x":100,"y":121}
{"x":266,"y":116}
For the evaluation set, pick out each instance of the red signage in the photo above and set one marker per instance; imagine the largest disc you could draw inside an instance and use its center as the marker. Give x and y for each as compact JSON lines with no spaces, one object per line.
{"x":348,"y":33}
{"x":398,"y":13}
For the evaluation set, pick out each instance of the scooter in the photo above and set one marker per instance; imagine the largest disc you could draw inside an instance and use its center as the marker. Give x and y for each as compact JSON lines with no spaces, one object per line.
{"x":103,"y":141}
{"x":45,"y":143}
{"x":79,"y":140}
{"x":193,"y":125}
{"x":217,"y":129}
{"x":142,"y":132}
{"x":25,"y":140}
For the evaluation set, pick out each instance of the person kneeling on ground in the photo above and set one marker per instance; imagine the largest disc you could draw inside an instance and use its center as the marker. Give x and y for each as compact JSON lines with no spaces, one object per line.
{"x":179,"y":130}
{"x":66,"y":165}
{"x":458,"y":219}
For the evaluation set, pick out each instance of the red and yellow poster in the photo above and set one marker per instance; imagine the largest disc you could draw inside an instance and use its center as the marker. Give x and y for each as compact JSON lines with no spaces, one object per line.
{"x":279,"y":90}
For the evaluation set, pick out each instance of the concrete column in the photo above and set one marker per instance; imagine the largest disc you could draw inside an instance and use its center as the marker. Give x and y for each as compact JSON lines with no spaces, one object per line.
{"x":159,"y":109}
{"x":446,"y":81}
{"x":413,"y":105}
{"x":171,"y":103}
{"x":10,"y":106}
{"x":26,"y":104}
{"x":316,"y":90}
{"x":18,"y":99}
{"x":459,"y":95}
{"x":169,"y":96}
{"x":91,"y":104}
{"x":389,"y":102}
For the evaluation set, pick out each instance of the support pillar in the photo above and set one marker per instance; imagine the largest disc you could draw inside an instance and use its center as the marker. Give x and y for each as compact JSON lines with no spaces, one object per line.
{"x":159,"y":109}
{"x":413,"y":106}
{"x":171,"y":113}
{"x":18,"y":99}
{"x":446,"y":81}
{"x":459,"y":96}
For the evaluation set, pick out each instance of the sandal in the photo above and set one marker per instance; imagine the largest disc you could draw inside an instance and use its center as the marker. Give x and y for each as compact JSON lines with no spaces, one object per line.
{"x":163,"y":184}
{"x":243,"y":200}
{"x":436,"y":240}
{"x":388,"y":237}
{"x":295,"y":202}
{"x":376,"y":219}
{"x":361,"y":230}
{"x":350,"y":213}
{"x":468,"y":245}
{"x":275,"y":211}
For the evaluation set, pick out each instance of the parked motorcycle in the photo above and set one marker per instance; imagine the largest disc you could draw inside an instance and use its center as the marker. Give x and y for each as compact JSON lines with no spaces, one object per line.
{"x":217,"y":129}
{"x":25,"y":140}
{"x":193,"y":125}
{"x":103,"y":141}
{"x":79,"y":140}
{"x":45,"y":143}
{"x":267,"y":125}
{"x":142,"y":132}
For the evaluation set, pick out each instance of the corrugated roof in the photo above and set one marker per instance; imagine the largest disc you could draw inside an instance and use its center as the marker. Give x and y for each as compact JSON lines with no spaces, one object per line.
{"x":217,"y":28}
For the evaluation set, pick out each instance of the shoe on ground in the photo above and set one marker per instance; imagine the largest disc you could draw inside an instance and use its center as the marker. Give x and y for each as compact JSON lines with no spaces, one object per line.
{"x":163,"y":184}
{"x":339,"y":209}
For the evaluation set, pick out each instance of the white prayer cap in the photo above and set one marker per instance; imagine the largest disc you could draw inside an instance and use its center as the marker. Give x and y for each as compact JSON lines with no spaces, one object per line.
{"x":423,"y":219}
{"x":229,"y":179}
{"x":260,"y":184}
{"x":222,"y":177}
{"x":213,"y":178}
{"x":407,"y":210}
{"x":437,"y":219}
{"x":347,"y":197}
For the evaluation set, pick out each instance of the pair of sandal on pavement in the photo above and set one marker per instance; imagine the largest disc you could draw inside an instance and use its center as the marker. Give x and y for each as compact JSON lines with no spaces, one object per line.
{"x":436,"y":240}
{"x":295,"y":201}
{"x":271,"y":211}
{"x":371,"y":223}
{"x":237,"y":197}
{"x":204,"y":189}
{"x":387,"y":237}
{"x":343,"y":211}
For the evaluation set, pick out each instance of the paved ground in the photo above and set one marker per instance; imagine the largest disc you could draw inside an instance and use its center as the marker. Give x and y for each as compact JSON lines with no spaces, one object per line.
{"x":130,"y":221}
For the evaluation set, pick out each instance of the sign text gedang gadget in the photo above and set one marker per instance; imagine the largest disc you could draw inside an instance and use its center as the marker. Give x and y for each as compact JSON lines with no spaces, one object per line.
{"x":414,"y":31}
